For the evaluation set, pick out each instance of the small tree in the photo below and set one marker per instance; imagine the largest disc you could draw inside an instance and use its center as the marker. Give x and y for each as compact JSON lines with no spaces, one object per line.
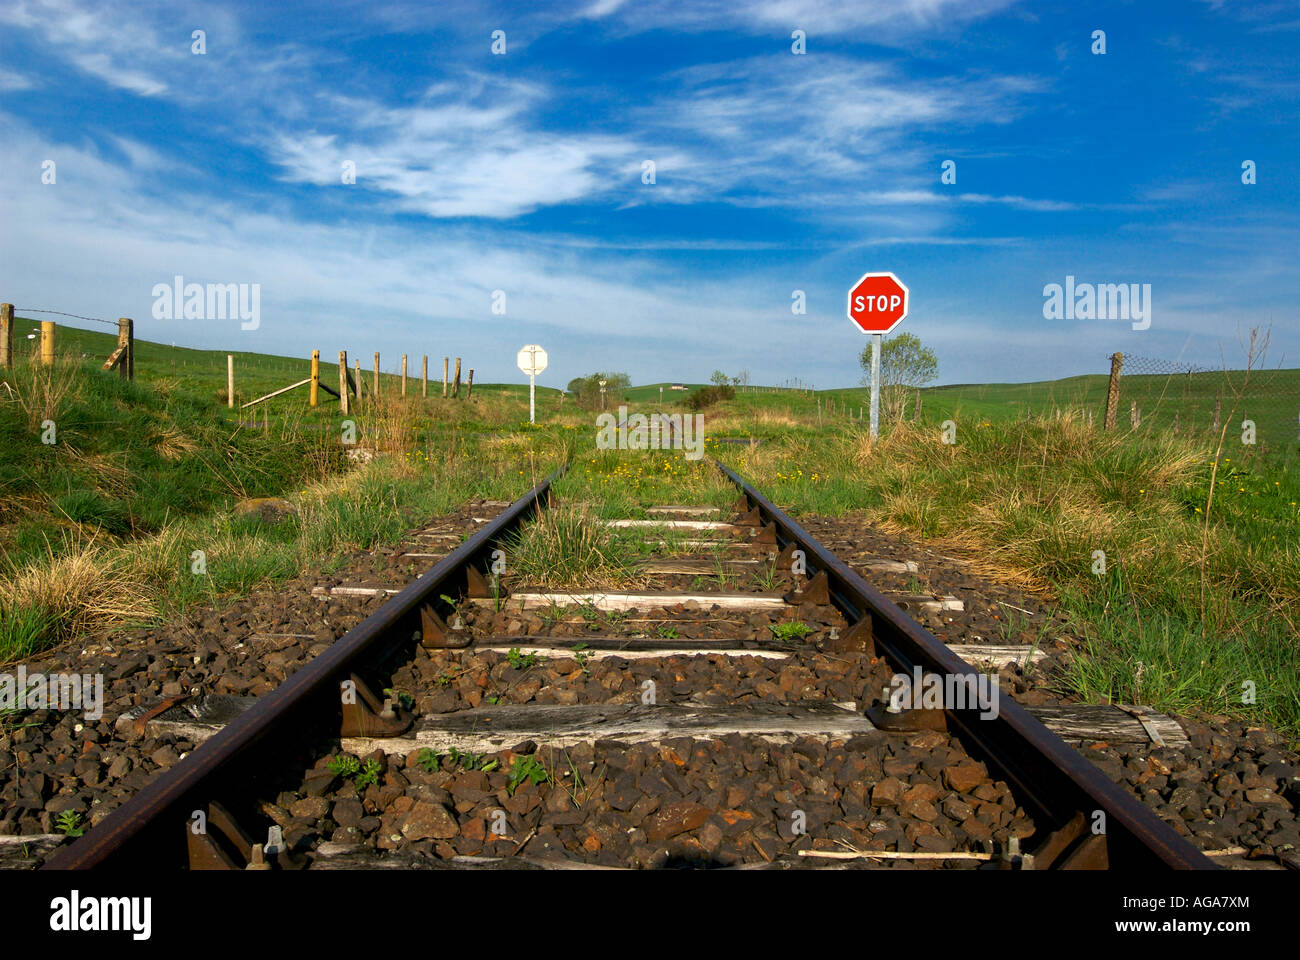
{"x":588,"y":389}
{"x":906,"y":364}
{"x":719,"y":379}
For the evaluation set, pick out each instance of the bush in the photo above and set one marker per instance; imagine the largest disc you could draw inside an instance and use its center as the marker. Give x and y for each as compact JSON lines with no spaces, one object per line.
{"x":587,"y":389}
{"x":708,"y":396}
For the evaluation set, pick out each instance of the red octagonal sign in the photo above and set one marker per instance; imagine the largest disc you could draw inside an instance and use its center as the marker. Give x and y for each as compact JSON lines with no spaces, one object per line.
{"x":877,"y":302}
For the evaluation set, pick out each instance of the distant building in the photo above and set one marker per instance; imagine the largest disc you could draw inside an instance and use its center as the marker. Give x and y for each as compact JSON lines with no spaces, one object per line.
{"x":678,"y":386}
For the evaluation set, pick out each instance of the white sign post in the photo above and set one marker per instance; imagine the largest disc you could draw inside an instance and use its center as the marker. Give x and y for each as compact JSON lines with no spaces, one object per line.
{"x":532,"y":361}
{"x":877,"y":304}
{"x":876,"y":339}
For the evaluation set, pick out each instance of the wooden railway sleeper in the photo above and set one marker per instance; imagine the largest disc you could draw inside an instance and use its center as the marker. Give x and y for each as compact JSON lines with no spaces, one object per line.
{"x":907,"y":720}
{"x":159,"y":708}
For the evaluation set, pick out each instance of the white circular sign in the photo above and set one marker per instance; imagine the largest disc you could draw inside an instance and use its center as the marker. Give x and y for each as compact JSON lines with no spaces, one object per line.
{"x":532,"y":359}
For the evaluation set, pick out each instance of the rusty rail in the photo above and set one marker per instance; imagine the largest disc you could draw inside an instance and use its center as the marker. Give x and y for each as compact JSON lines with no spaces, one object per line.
{"x":162,"y":809}
{"x":1055,"y":783}
{"x":1052,"y":779}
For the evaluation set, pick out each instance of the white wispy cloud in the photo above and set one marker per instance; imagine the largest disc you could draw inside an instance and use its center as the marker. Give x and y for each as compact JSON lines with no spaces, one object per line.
{"x":464,"y":150}
{"x":10,"y":81}
{"x":794,"y":127}
{"x":109,"y":40}
{"x":888,"y":20}
{"x":116,"y":241}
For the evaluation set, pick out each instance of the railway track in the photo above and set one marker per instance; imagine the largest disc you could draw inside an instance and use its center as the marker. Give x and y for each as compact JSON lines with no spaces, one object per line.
{"x":479,"y":721}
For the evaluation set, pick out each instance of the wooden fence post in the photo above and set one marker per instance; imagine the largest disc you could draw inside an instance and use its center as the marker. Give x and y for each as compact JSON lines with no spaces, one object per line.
{"x":6,"y":335}
{"x":123,"y":348}
{"x":1218,"y":402}
{"x":358,"y":377}
{"x":470,"y":392}
{"x":314,"y":387}
{"x":1134,"y":416}
{"x":230,"y":380}
{"x":403,"y":374}
{"x":343,"y":382}
{"x":126,"y":338}
{"x":376,"y":373}
{"x":47,"y":342}
{"x":444,"y":375}
{"x":1112,"y":392}
{"x":455,"y":387}
{"x":424,"y":377}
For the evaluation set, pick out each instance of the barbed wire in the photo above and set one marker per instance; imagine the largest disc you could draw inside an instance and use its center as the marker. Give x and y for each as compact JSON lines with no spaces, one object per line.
{"x":60,"y":313}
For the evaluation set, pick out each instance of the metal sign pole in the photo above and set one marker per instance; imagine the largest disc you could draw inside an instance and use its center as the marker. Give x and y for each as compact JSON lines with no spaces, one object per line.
{"x":875,"y":385}
{"x":532,"y":360}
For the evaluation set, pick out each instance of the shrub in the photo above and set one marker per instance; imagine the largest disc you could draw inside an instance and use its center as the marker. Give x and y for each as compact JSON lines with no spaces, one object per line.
{"x":708,"y":396}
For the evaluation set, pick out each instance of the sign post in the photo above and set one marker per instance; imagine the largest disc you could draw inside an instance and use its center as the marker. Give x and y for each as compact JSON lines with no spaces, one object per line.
{"x":532,"y":361}
{"x":877,"y":304}
{"x":876,"y":340}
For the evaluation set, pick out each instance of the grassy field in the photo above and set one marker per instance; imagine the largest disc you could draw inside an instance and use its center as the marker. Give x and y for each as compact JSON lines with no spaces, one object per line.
{"x":1179,"y":403}
{"x":1200,"y":590}
{"x":1201,"y":536}
{"x":256,"y":374}
{"x":100,"y":526}
{"x":650,"y":393}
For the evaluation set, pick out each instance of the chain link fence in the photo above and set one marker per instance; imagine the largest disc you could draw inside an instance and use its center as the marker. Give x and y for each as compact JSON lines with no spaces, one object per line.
{"x":1167,"y":394}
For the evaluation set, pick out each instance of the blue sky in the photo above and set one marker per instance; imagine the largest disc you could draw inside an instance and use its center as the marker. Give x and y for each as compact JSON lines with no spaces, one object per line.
{"x":774,"y":172}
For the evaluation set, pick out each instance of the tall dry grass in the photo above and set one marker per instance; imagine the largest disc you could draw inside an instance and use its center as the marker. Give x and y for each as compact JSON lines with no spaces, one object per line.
{"x":41,"y":391}
{"x":73,"y":594}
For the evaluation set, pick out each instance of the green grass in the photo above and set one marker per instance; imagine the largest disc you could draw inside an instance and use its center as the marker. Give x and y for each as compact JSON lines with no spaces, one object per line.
{"x":100,"y":528}
{"x":1146,"y":653}
{"x":204,"y":371}
{"x":1182,"y":402}
{"x":130,"y":457}
{"x":790,"y":631}
{"x":649,"y":394}
{"x":1030,"y":500}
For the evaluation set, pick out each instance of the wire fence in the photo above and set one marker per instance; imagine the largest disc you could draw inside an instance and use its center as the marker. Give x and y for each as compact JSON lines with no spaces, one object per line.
{"x":1262,"y":404}
{"x":60,"y":313}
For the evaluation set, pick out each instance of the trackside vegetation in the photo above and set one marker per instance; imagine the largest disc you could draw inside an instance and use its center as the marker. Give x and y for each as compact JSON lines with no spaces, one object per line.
{"x":1193,"y":609}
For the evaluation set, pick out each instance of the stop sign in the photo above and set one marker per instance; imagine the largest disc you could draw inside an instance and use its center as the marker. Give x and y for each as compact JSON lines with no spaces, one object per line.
{"x":877,"y":302}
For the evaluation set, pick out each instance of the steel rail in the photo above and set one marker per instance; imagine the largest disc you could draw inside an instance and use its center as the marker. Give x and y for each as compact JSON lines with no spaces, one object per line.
{"x":1046,"y":773}
{"x":166,"y":803}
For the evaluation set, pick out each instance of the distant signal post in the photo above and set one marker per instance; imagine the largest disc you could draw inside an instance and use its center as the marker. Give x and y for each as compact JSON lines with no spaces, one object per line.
{"x":532,"y":361}
{"x":877,"y":304}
